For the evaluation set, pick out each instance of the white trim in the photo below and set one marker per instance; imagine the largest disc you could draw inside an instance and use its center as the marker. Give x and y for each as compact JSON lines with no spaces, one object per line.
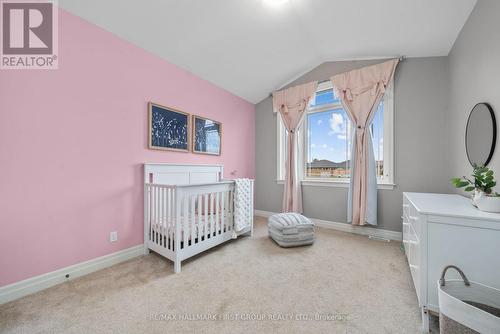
{"x":262,"y":213}
{"x":281,"y":137}
{"x":342,"y":184}
{"x":38,"y":283}
{"x":389,"y":135}
{"x":362,"y":230}
{"x":337,"y":184}
{"x":325,"y":85}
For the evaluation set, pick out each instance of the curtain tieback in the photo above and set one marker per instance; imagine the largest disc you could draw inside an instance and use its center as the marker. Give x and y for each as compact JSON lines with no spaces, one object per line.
{"x":360,"y":130}
{"x":379,"y":86}
{"x":346,"y":93}
{"x":301,"y":105}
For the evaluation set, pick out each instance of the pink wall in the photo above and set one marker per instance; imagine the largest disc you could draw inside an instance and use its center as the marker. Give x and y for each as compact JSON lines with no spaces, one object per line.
{"x":73,"y":141}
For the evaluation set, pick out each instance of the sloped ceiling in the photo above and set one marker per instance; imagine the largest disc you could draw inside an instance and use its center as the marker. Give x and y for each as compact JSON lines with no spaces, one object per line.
{"x":251,"y":48}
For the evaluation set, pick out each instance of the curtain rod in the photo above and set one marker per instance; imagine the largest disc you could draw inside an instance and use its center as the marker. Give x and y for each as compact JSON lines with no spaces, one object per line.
{"x":401,"y":58}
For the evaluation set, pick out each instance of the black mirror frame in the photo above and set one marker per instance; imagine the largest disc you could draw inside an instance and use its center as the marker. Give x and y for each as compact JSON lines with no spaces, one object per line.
{"x":494,"y":141}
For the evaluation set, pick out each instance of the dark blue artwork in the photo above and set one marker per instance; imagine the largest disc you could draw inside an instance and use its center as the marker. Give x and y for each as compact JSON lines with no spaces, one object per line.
{"x":168,"y":128}
{"x":207,"y":136}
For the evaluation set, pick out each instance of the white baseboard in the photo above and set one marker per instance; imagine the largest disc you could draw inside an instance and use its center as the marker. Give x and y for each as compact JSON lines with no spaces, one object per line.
{"x":34,"y":284}
{"x":363,"y":230}
{"x":265,"y":214}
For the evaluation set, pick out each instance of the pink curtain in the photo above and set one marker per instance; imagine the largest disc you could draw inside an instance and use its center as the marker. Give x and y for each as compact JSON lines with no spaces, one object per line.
{"x":361,"y":91}
{"x":291,"y":104}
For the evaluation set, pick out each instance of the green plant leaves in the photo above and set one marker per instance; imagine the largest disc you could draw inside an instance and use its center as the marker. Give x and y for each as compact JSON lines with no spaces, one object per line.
{"x":461,"y":184}
{"x":483,"y":180}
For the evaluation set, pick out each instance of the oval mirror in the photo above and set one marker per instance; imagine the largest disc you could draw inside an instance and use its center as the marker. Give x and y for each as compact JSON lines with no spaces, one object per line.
{"x":480,"y":134}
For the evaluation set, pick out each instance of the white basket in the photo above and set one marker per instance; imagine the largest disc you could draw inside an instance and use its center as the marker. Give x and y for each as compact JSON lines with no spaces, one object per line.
{"x":467,"y":306}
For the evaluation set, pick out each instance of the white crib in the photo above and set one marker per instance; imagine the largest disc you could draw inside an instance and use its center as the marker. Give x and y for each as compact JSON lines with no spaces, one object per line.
{"x":187,"y":210}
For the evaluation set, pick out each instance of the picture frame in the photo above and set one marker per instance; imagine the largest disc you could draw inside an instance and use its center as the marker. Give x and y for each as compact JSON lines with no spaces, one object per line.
{"x":207,"y":136}
{"x":168,"y":128}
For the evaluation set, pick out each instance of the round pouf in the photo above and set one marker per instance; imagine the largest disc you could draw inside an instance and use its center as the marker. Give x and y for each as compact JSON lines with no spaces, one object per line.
{"x":291,"y":229}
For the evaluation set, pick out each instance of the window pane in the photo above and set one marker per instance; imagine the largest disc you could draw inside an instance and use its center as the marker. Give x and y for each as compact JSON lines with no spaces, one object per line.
{"x":328,"y":144}
{"x":378,"y":139}
{"x":325,"y":97}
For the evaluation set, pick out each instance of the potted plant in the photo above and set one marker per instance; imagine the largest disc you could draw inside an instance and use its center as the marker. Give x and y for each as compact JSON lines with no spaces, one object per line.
{"x":481,"y":188}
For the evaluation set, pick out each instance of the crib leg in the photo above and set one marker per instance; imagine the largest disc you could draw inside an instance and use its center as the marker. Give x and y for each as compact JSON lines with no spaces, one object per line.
{"x":425,"y":319}
{"x":146,"y":249}
{"x":177,"y":266}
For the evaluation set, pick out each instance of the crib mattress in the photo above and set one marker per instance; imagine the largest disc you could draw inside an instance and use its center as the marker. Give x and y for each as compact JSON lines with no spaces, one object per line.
{"x":199,"y":228}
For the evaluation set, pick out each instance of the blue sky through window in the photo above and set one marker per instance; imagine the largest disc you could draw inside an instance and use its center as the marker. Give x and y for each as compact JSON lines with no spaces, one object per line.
{"x":328,"y":132}
{"x":328,"y":135}
{"x":325,"y":97}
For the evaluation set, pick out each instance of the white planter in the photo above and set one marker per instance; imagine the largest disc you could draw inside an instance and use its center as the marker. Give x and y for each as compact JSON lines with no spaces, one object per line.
{"x":475,"y":196}
{"x":487,"y":203}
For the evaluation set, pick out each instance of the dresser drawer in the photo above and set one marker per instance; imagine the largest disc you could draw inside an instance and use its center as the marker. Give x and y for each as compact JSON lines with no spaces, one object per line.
{"x":414,"y":218}
{"x":414,"y":246}
{"x":414,"y":221}
{"x":412,"y":215}
{"x":414,"y":258}
{"x":406,"y":234}
{"x":415,"y":275}
{"x":406,"y":208}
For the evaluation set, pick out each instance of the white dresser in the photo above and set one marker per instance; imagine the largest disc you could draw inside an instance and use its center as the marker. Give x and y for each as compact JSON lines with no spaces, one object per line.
{"x":441,"y":229}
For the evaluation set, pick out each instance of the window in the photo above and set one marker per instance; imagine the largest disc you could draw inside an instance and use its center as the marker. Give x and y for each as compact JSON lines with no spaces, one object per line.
{"x":325,"y":141}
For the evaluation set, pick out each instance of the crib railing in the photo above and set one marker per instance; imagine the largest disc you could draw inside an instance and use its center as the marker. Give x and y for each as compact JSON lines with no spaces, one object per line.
{"x":160,"y":212}
{"x":182,"y":217}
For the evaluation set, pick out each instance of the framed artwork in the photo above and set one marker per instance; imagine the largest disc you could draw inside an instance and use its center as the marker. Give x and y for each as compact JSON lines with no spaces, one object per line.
{"x":168,"y":128}
{"x":207,"y":136}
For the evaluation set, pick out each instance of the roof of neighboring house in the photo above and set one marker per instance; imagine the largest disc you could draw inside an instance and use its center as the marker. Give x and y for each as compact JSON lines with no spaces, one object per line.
{"x":326,"y":164}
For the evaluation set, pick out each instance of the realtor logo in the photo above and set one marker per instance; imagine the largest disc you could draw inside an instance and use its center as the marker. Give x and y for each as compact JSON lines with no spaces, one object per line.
{"x":29,"y":34}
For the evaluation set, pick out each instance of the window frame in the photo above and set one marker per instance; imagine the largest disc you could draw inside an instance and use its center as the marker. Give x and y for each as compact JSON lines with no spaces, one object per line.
{"x":386,"y":182}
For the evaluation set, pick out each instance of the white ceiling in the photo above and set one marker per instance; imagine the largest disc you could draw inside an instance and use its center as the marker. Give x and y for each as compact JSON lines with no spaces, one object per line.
{"x":250,"y":48}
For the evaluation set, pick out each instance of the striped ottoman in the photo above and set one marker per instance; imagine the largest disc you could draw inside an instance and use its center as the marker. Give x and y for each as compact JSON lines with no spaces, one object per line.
{"x":291,"y":229}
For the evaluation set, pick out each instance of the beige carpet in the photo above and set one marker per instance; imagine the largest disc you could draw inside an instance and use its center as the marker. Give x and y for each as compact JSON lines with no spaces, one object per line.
{"x":351,"y":283}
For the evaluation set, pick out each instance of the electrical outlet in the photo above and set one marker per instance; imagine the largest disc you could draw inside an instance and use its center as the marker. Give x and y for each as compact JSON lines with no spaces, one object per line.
{"x":113,"y":236}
